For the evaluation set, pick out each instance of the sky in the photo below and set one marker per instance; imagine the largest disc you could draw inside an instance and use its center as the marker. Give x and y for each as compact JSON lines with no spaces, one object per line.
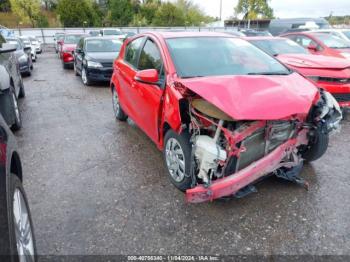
{"x":282,"y":8}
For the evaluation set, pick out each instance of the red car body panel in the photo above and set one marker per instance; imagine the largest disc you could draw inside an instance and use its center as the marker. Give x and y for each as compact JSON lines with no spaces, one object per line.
{"x":155,"y":109}
{"x":326,"y":51}
{"x":66,"y":52}
{"x":328,"y":69}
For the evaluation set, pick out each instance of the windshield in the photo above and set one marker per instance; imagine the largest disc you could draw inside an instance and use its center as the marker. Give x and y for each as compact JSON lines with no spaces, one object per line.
{"x":213,"y":56}
{"x":333,"y":41}
{"x":60,"y":37}
{"x":279,"y":46}
{"x":72,"y":39}
{"x":111,"y":32}
{"x":103,"y":45}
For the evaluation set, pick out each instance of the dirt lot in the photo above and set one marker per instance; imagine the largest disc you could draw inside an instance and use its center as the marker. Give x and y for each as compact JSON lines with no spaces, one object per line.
{"x":97,"y":186}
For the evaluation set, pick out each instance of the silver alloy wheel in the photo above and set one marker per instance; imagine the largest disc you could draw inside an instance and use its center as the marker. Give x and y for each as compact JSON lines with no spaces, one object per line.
{"x":15,"y":104}
{"x":23,"y":230}
{"x":175,"y":159}
{"x":83,"y":76}
{"x":116,"y":106}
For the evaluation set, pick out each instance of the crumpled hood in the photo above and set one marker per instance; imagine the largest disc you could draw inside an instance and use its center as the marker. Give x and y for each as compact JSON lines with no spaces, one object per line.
{"x":314,"y":61}
{"x":256,"y":97}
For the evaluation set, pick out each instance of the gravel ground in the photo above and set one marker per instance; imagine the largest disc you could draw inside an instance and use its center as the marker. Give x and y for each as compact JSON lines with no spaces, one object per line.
{"x":96,"y":186}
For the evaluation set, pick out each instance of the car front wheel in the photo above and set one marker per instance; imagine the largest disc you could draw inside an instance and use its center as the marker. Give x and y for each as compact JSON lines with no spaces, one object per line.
{"x":85,"y":78}
{"x":317,"y":147}
{"x":177,"y":156}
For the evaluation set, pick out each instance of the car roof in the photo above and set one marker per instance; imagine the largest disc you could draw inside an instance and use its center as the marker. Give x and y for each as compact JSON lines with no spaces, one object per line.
{"x":248,"y":38}
{"x":167,"y":34}
{"x":102,"y":37}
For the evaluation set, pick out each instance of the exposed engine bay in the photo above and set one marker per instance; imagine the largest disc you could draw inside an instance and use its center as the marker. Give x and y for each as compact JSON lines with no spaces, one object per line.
{"x":223,"y":148}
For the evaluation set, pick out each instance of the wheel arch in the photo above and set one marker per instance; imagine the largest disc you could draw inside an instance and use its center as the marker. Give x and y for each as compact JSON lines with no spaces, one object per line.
{"x":16,"y":165}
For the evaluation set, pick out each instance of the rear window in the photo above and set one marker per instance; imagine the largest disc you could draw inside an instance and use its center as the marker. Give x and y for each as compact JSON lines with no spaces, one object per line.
{"x":72,"y":39}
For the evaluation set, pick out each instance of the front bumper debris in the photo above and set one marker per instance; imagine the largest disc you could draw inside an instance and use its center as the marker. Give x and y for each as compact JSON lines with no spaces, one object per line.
{"x":230,"y":185}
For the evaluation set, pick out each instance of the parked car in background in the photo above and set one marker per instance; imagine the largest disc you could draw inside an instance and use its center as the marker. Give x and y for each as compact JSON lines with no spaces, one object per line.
{"x":280,"y":26}
{"x":112,"y":32}
{"x":216,"y":106}
{"x":330,"y":73}
{"x":94,"y":33}
{"x":27,"y":43}
{"x":341,"y":33}
{"x":58,"y":38}
{"x":67,"y":48}
{"x":17,"y":241}
{"x":23,"y":56}
{"x":11,"y":85}
{"x":36,"y":44}
{"x":94,"y":56}
{"x":321,"y":44}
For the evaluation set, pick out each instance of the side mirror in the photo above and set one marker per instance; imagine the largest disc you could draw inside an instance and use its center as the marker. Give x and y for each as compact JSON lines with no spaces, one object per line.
{"x":312,"y":48}
{"x":27,"y":48}
{"x":60,"y":42}
{"x":148,"y":76}
{"x":78,"y":51}
{"x":7,"y":48}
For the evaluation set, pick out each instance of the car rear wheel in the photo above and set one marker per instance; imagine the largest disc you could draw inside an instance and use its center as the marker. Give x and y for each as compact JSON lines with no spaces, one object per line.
{"x":85,"y":78}
{"x":118,"y":111}
{"x":177,"y":156}
{"x":20,"y":223}
{"x":15,"y":111}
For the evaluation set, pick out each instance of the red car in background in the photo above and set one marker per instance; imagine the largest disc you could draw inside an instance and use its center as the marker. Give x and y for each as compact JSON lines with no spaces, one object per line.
{"x":321,"y":43}
{"x":66,"y":47}
{"x":224,"y":112}
{"x":330,"y":73}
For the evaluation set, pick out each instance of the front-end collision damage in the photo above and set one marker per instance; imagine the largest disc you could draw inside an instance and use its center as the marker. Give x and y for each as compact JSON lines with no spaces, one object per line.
{"x":229,"y":155}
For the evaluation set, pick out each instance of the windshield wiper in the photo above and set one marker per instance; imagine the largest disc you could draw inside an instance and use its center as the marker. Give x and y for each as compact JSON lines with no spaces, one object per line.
{"x":270,"y":73}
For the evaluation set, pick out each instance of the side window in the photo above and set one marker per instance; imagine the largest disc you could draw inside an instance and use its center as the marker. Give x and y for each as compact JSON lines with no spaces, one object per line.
{"x":305,"y":41}
{"x":150,"y":57}
{"x":132,"y":50}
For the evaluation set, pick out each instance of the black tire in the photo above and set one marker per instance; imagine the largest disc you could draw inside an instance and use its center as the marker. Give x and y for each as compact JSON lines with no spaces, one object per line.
{"x":117,"y":108}
{"x":75,"y":69}
{"x":22,"y":92}
{"x":316,"y":148}
{"x":184,"y":141}
{"x":16,"y":184}
{"x":15,"y":111}
{"x":86,"y":81}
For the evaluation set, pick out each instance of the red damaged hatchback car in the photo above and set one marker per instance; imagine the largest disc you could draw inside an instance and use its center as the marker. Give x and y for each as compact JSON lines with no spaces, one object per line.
{"x":224,"y":113}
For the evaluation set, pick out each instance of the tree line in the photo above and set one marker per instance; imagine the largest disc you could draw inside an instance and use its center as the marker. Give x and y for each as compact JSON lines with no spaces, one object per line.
{"x":78,"y":13}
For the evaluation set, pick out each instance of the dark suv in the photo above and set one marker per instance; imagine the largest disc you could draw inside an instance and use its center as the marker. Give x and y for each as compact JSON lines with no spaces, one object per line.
{"x":11,"y":85}
{"x":17,"y":241}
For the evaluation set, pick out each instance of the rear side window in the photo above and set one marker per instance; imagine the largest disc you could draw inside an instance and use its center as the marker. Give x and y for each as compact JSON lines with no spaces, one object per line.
{"x":150,"y":57}
{"x":132,"y":51}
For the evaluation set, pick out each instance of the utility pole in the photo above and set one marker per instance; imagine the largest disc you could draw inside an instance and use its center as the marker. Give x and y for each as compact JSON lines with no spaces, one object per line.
{"x":220,"y":10}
